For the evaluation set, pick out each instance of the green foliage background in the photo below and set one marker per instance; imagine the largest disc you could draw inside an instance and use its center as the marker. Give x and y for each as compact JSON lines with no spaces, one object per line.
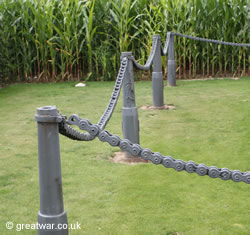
{"x":50,"y":40}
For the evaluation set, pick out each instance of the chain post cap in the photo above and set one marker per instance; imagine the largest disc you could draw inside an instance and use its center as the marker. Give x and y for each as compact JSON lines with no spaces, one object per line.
{"x":171,"y":34}
{"x":47,"y":111}
{"x":156,"y":36}
{"x":126,"y":54}
{"x":48,"y":114}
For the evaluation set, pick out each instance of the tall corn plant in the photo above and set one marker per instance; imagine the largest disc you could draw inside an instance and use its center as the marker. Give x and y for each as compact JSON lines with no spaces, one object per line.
{"x":90,"y":30}
{"x":34,"y":13}
{"x":122,"y":23}
{"x":152,"y":23}
{"x":10,"y":48}
{"x":69,"y":38}
{"x":49,"y":40}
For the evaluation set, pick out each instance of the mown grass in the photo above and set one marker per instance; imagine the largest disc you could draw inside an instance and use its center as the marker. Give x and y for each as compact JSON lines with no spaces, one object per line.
{"x":209,"y":125}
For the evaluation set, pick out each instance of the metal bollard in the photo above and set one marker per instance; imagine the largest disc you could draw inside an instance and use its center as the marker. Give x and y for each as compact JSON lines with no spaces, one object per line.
{"x":130,"y":122}
{"x":171,"y":63}
{"x":52,"y":219}
{"x":157,"y":76}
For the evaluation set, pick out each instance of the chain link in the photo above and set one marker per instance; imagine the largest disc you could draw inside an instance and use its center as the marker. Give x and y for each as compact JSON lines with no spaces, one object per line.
{"x":165,"y":49}
{"x":212,"y":41}
{"x":114,"y":96}
{"x":69,"y":132}
{"x":94,"y":131}
{"x":157,"y":158}
{"x":149,"y":61}
{"x":73,"y":134}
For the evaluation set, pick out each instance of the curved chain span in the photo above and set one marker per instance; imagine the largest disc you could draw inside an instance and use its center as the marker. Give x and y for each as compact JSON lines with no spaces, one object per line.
{"x":164,"y":51}
{"x":212,"y":41}
{"x":157,"y":158}
{"x":70,"y":132}
{"x":114,"y":96}
{"x":149,"y":61}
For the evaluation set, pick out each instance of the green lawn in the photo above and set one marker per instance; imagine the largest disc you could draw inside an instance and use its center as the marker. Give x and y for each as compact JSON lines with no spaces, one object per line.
{"x":210,"y":125}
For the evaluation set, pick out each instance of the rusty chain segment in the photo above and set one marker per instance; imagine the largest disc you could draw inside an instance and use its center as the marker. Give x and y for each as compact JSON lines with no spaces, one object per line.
{"x":156,"y":158}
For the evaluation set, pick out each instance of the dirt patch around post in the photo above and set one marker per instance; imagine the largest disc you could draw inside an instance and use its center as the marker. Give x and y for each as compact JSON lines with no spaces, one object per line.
{"x":122,"y":157}
{"x":164,"y":107}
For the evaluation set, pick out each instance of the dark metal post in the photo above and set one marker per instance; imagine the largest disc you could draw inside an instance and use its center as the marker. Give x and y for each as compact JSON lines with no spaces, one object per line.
{"x":52,"y":219}
{"x":157,"y":76}
{"x":171,"y":63}
{"x":130,"y":122}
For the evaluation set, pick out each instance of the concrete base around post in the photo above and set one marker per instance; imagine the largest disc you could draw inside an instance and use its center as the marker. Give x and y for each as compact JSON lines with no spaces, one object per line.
{"x":157,"y":89}
{"x":130,"y":124}
{"x":171,"y":73}
{"x":52,"y":225}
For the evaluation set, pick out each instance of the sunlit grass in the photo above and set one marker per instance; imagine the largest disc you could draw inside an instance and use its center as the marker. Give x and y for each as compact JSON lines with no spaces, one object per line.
{"x":209,"y":125}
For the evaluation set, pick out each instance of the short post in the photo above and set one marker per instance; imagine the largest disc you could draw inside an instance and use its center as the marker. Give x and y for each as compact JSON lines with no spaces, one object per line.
{"x":157,"y":76}
{"x":171,"y":63}
{"x":130,"y":122}
{"x":52,"y":219}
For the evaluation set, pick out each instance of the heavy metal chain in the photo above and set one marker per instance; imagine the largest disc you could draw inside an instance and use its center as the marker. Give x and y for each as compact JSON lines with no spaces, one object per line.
{"x":157,"y":158}
{"x":212,"y":41}
{"x":68,"y":131}
{"x":114,"y":96}
{"x":94,"y":131}
{"x":149,"y":61}
{"x":165,"y":49}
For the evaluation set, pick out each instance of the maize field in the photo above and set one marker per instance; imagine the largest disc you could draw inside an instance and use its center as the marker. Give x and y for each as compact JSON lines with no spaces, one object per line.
{"x":54,"y":40}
